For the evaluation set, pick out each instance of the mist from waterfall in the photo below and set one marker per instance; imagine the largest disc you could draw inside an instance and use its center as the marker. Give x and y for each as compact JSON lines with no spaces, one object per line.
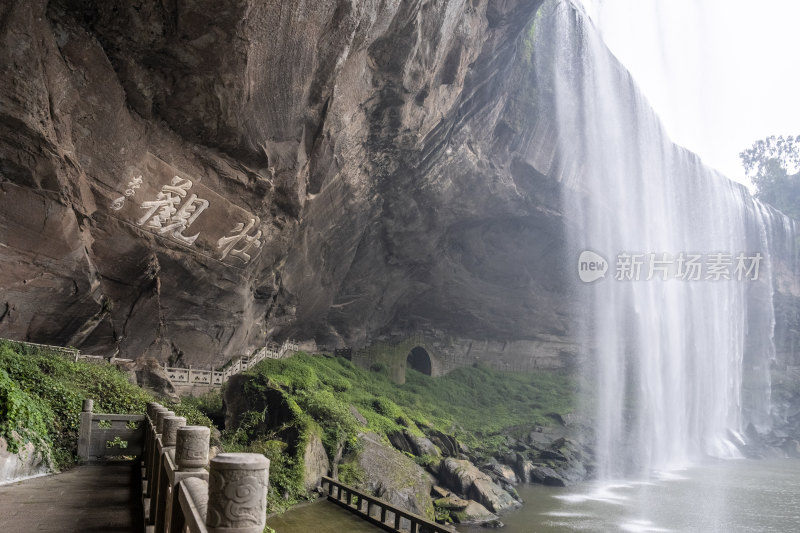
{"x":679,"y":368}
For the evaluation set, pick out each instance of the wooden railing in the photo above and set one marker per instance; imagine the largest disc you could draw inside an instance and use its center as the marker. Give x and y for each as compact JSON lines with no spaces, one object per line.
{"x":381,"y":513}
{"x":181,"y":495}
{"x":191,"y":376}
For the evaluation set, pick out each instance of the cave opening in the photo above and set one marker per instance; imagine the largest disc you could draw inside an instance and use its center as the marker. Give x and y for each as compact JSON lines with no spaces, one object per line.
{"x":419,"y":360}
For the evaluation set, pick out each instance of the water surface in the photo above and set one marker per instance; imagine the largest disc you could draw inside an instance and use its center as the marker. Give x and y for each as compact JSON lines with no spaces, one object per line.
{"x":726,"y":496}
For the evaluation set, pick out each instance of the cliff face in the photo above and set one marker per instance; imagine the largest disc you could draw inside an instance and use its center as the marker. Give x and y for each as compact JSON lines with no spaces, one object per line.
{"x":184,"y":179}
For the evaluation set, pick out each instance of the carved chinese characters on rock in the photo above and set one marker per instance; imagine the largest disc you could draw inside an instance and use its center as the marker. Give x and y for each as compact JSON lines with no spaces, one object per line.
{"x":240,"y":243}
{"x":166,"y":217}
{"x":160,"y":199}
{"x":134,"y":184}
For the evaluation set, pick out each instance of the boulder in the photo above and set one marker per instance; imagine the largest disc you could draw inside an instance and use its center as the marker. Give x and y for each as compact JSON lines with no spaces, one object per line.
{"x":413,"y":444}
{"x":149,"y":374}
{"x":473,"y":513}
{"x":357,"y":415}
{"x":546,"y":475}
{"x":467,"y":480}
{"x":25,"y":463}
{"x":393,"y":476}
{"x":423,"y":446}
{"x":315,"y":462}
{"x":552,"y":455}
{"x":504,"y":473}
{"x":446,"y":443}
{"x":522,"y":467}
{"x":462,"y":511}
{"x":399,"y":441}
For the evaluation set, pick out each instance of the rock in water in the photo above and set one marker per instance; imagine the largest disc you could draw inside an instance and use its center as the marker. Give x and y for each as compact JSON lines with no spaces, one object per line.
{"x":473,"y":513}
{"x":547,"y":476}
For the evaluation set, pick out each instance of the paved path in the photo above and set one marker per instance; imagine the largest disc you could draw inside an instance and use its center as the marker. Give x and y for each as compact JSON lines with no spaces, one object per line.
{"x":87,"y":499}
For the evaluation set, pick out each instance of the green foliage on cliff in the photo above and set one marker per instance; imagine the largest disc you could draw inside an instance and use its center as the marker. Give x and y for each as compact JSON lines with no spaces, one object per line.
{"x":773,"y":165}
{"x":41,"y":394}
{"x":474,"y":404}
{"x":479,"y":406}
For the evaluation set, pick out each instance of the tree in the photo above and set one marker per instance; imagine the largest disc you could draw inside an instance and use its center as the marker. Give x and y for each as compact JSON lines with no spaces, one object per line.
{"x":773,"y":165}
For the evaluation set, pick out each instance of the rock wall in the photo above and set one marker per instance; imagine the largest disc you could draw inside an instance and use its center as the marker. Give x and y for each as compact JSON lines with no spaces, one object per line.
{"x":182,"y":180}
{"x":25,"y":463}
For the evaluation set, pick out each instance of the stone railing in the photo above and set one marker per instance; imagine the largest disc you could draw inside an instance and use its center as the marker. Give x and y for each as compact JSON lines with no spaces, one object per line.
{"x":191,"y":376}
{"x":185,"y":492}
{"x":73,"y":354}
{"x":183,"y":376}
{"x":379,"y":512}
{"x":108,"y":435}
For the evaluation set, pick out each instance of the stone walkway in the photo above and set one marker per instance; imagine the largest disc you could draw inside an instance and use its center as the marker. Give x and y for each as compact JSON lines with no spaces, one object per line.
{"x":87,"y":499}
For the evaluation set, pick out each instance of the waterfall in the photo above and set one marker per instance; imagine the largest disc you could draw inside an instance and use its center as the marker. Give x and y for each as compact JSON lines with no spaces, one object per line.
{"x":679,"y":367}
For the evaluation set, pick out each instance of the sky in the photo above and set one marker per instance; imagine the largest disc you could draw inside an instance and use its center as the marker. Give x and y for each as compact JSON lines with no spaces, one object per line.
{"x":721,"y":74}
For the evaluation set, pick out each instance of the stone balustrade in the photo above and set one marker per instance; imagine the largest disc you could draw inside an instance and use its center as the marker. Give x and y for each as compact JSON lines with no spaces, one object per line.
{"x":184,"y":491}
{"x":192,"y":376}
{"x":108,"y":435}
{"x":182,"y":376}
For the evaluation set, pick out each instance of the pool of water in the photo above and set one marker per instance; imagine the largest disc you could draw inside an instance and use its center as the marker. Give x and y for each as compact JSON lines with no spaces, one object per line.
{"x":739,"y":496}
{"x":320,"y":516}
{"x":725,"y":496}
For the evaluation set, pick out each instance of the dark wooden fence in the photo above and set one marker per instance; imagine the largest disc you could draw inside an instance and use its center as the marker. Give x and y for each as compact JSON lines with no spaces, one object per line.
{"x":381,"y":513}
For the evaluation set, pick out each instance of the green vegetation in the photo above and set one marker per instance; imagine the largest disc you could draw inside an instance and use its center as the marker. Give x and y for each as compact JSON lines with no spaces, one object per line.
{"x":773,"y":165}
{"x":290,"y":401}
{"x":479,"y":406}
{"x":41,"y":394}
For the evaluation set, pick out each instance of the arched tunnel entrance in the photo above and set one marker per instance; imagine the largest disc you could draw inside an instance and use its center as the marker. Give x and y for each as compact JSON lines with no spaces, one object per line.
{"x":419,"y":359}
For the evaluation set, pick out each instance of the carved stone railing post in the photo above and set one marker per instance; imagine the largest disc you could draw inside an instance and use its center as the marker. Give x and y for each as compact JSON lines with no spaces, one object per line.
{"x":191,"y":452}
{"x":152,"y":451}
{"x":164,"y":493}
{"x":157,"y":464}
{"x":190,"y":460}
{"x":85,"y":434}
{"x":148,"y":435}
{"x":237,"y":493}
